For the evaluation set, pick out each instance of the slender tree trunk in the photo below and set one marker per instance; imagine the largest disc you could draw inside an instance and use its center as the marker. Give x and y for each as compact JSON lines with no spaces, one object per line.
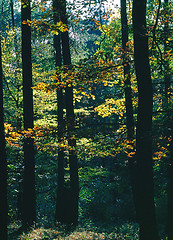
{"x":3,"y":164}
{"x":29,"y":195}
{"x":74,"y":181}
{"x":60,"y":203}
{"x":67,"y":214}
{"x":144,"y":175}
{"x":128,"y":93}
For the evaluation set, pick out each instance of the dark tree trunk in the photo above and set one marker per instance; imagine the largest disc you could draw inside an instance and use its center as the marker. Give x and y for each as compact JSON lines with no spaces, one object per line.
{"x":70,"y":117}
{"x":128,"y":92}
{"x":144,"y":175}
{"x":68,"y":203}
{"x":60,"y":203}
{"x":3,"y":164}
{"x":29,"y":195}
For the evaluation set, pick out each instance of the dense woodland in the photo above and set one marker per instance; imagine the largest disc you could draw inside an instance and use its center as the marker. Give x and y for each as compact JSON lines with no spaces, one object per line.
{"x":86,"y":119}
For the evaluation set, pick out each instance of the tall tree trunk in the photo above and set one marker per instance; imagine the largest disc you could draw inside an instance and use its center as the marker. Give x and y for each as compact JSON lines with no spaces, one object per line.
{"x":67,"y":214}
{"x":3,"y":164}
{"x":29,"y":195}
{"x":60,"y":203}
{"x":70,"y":117}
{"x":128,"y":91}
{"x":144,"y":175}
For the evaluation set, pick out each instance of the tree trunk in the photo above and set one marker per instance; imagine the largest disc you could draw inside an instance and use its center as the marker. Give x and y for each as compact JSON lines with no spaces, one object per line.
{"x":29,"y":195}
{"x":60,"y":204}
{"x":3,"y":164}
{"x":74,"y":181}
{"x":68,"y":213}
{"x":145,"y":208}
{"x":128,"y":93}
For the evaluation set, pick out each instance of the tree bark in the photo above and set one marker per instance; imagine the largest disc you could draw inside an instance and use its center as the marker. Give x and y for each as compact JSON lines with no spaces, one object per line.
{"x":144,"y":185}
{"x":29,"y":195}
{"x":67,"y":214}
{"x":128,"y":93}
{"x":60,"y":204}
{"x":3,"y":164}
{"x":74,"y":181}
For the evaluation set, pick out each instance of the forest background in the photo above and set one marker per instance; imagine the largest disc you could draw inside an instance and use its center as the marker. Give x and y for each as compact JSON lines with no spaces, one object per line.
{"x":86,"y":120}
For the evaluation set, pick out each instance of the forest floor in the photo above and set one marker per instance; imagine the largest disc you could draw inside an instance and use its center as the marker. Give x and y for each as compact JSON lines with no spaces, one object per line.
{"x":91,"y":230}
{"x":125,"y":231}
